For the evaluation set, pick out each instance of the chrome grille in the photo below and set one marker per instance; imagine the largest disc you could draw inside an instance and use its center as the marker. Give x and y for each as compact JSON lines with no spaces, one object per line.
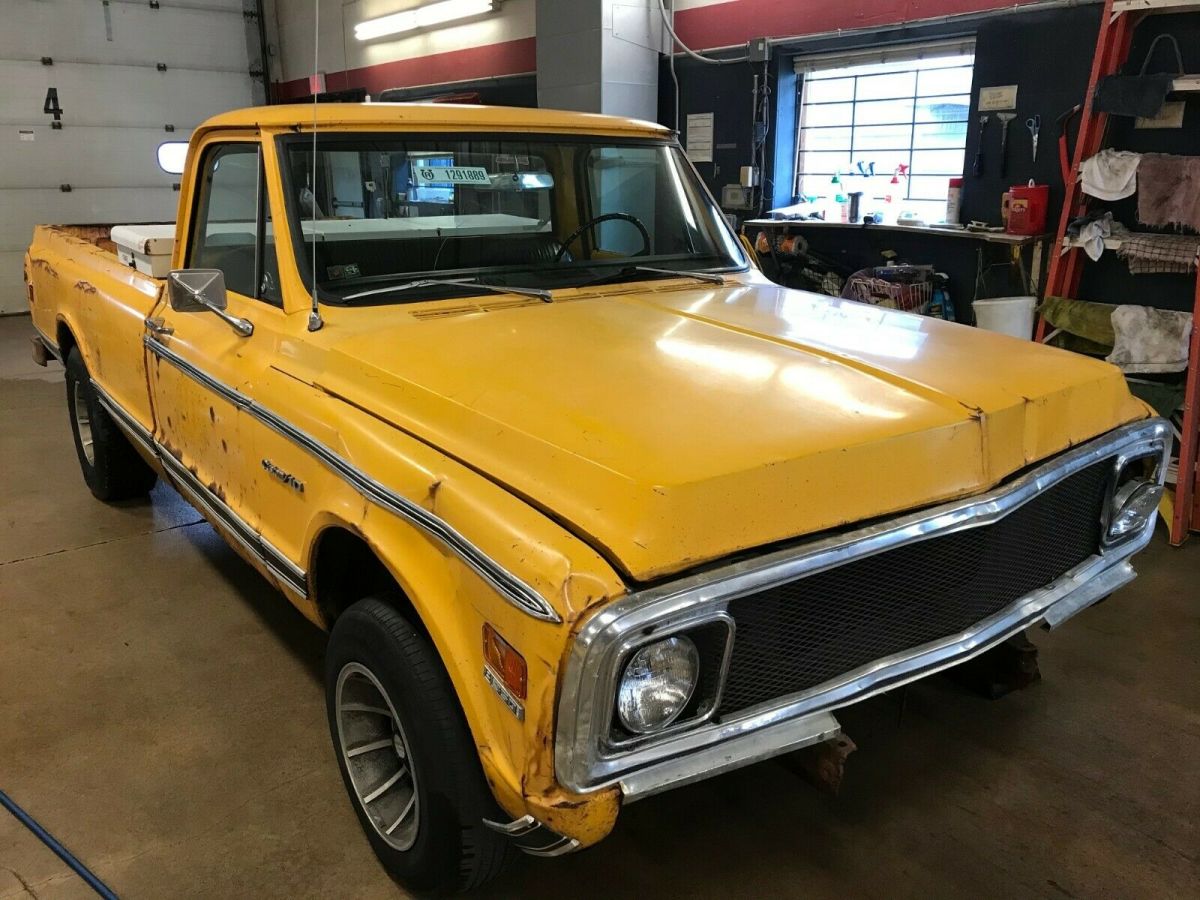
{"x":812,"y":630}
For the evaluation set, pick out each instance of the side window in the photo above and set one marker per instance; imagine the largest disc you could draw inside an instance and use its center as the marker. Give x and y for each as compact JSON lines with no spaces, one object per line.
{"x":268,"y":285}
{"x":226,"y":231}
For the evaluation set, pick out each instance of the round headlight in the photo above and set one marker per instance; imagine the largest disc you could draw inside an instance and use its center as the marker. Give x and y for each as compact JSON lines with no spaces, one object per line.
{"x":657,"y":684}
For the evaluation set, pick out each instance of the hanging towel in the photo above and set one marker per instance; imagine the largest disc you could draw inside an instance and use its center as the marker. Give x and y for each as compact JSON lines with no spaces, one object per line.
{"x":1092,"y":230}
{"x":1150,"y":340}
{"x":1111,"y":174}
{"x":1169,"y":190}
{"x":1084,"y":327}
{"x":1158,"y":254}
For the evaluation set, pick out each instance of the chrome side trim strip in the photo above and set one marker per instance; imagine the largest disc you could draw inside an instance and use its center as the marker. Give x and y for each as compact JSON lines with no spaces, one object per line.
{"x":515,"y":828}
{"x":561,"y":847}
{"x":290,"y":575}
{"x":520,"y":830}
{"x":509,"y":586}
{"x":584,"y":763}
{"x":127,"y":423}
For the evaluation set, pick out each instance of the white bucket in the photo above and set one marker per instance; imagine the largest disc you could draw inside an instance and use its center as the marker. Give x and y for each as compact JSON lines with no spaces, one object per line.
{"x":1007,"y":315}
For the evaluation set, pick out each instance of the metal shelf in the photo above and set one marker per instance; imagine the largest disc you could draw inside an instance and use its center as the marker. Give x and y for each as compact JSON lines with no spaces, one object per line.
{"x":1112,"y":50}
{"x":1121,"y":7}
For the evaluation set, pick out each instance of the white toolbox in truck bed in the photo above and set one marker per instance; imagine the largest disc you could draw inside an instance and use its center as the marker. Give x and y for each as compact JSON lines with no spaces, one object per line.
{"x":145,"y":247}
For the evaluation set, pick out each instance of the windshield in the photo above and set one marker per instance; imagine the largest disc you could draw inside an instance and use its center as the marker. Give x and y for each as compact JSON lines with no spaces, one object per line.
{"x":546,"y":213}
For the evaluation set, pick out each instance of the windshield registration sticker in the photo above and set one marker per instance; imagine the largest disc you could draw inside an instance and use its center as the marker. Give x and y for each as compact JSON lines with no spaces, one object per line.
{"x":451,"y":175}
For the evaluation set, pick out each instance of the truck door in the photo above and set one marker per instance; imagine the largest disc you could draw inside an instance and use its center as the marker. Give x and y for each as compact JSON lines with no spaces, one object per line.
{"x":204,"y":364}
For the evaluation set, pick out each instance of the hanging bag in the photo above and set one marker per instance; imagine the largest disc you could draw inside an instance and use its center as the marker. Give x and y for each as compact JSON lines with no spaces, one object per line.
{"x":1139,"y":95}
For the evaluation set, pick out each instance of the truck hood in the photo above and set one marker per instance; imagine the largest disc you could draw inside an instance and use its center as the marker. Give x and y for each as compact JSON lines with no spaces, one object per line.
{"x":672,"y":425}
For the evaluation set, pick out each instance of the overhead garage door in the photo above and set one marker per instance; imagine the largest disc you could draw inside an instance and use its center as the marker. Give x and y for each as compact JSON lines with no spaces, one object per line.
{"x":125,"y":72}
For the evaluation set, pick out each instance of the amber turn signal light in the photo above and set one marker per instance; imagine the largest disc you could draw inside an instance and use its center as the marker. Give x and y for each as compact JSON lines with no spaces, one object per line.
{"x":503,"y":659}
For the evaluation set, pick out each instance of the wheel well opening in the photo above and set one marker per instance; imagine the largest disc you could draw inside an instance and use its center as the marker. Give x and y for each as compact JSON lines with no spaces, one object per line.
{"x":65,"y":339}
{"x":346,"y":569}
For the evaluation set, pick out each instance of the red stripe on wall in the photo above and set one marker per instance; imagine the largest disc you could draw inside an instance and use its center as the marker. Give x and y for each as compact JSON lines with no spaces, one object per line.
{"x":506,"y":58}
{"x":719,"y":25}
{"x":728,"y":24}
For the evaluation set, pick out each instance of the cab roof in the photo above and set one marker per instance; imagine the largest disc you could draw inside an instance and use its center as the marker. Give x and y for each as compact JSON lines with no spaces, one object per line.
{"x":424,"y":116}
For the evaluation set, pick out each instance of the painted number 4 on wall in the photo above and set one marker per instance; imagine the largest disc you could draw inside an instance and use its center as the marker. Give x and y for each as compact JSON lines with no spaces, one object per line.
{"x":51,"y":107}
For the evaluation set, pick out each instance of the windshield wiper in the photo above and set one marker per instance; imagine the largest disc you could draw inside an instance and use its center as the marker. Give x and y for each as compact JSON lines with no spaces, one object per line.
{"x":471,"y":283}
{"x":711,"y":277}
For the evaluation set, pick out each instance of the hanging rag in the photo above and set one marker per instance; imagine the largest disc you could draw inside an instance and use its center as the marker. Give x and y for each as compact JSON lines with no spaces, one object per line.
{"x":1092,"y":230}
{"x":1169,"y":190}
{"x":1111,"y":174}
{"x":1159,"y":254}
{"x":1141,"y":94}
{"x":1150,"y":340}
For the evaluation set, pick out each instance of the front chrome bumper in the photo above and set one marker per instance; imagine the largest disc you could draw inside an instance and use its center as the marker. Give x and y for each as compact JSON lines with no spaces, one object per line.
{"x":586,"y":761}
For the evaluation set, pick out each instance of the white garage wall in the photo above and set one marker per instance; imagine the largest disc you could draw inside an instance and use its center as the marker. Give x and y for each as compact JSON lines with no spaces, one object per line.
{"x":116,"y":106}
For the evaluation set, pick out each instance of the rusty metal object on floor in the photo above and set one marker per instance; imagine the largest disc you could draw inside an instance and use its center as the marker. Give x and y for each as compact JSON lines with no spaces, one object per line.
{"x":1010,"y":666}
{"x":822,"y":765}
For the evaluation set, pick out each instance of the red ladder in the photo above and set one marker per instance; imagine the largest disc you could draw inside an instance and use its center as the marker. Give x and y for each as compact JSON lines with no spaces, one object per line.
{"x":1120,"y":19}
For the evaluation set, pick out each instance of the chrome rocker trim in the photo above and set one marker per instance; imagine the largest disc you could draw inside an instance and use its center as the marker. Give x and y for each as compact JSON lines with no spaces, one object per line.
{"x":509,"y":586}
{"x":290,"y":575}
{"x":585,"y":761}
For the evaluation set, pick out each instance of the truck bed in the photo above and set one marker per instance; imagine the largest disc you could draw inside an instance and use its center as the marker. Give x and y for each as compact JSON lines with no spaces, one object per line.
{"x":76,"y":287}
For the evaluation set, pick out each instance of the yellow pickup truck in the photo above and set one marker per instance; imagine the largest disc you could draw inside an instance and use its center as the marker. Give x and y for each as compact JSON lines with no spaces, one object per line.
{"x":590,"y":508}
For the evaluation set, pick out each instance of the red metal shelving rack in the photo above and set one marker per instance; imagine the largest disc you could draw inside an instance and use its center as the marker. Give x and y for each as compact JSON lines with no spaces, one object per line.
{"x":1120,"y":19}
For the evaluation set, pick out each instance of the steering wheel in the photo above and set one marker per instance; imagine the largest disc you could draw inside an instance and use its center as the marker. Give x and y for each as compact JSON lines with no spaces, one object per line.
{"x":607,"y":217}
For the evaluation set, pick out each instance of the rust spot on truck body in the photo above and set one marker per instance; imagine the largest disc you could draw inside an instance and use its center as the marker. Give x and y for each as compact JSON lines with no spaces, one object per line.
{"x":38,"y":263}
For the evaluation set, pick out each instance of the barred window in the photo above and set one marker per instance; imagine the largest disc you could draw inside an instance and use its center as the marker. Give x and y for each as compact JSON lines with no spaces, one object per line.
{"x":903,"y":107}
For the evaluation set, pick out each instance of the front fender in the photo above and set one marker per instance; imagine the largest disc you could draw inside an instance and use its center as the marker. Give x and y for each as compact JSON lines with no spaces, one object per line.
{"x":453,"y":602}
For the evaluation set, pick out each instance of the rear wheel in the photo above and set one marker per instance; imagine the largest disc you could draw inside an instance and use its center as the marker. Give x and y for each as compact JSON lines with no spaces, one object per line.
{"x":406,"y":756}
{"x":111,"y":467}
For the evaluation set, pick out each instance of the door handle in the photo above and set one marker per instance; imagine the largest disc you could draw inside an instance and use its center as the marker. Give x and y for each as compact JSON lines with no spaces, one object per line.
{"x":158,"y":327}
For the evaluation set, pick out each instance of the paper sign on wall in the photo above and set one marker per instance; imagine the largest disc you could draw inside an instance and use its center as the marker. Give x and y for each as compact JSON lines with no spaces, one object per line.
{"x":700,"y":137}
{"x":998,"y":98}
{"x":1170,"y":116}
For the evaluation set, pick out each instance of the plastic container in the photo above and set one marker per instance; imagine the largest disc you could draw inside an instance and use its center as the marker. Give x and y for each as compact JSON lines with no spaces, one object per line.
{"x":1027,"y":206}
{"x":146,"y":248}
{"x":1006,"y":315}
{"x":954,"y":201}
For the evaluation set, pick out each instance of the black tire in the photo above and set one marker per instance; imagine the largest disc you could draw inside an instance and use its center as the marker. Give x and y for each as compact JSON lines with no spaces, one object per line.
{"x":115,"y":471}
{"x":452,"y":850}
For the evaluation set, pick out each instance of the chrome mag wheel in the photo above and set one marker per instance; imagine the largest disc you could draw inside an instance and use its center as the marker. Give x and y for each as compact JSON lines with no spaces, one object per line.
{"x":377,"y":756}
{"x":83,"y":422}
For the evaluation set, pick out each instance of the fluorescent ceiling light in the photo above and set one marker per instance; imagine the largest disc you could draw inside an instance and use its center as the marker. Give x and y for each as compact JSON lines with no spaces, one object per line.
{"x":426,"y":16}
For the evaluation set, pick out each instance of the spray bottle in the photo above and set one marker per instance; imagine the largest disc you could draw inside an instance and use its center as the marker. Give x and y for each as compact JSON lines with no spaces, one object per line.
{"x":895,"y":193}
{"x":841,"y":208}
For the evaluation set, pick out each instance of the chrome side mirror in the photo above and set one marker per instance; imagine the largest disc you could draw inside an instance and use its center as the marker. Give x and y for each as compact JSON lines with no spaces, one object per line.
{"x":196,"y":290}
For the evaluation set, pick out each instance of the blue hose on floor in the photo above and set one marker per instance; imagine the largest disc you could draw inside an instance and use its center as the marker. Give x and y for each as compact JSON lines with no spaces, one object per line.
{"x":60,"y":851}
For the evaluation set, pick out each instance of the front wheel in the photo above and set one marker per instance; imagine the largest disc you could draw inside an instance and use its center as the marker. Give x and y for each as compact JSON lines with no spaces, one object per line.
{"x":406,"y":756}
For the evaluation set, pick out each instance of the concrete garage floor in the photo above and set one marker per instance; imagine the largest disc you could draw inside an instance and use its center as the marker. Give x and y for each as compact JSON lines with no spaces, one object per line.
{"x":161,"y":713}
